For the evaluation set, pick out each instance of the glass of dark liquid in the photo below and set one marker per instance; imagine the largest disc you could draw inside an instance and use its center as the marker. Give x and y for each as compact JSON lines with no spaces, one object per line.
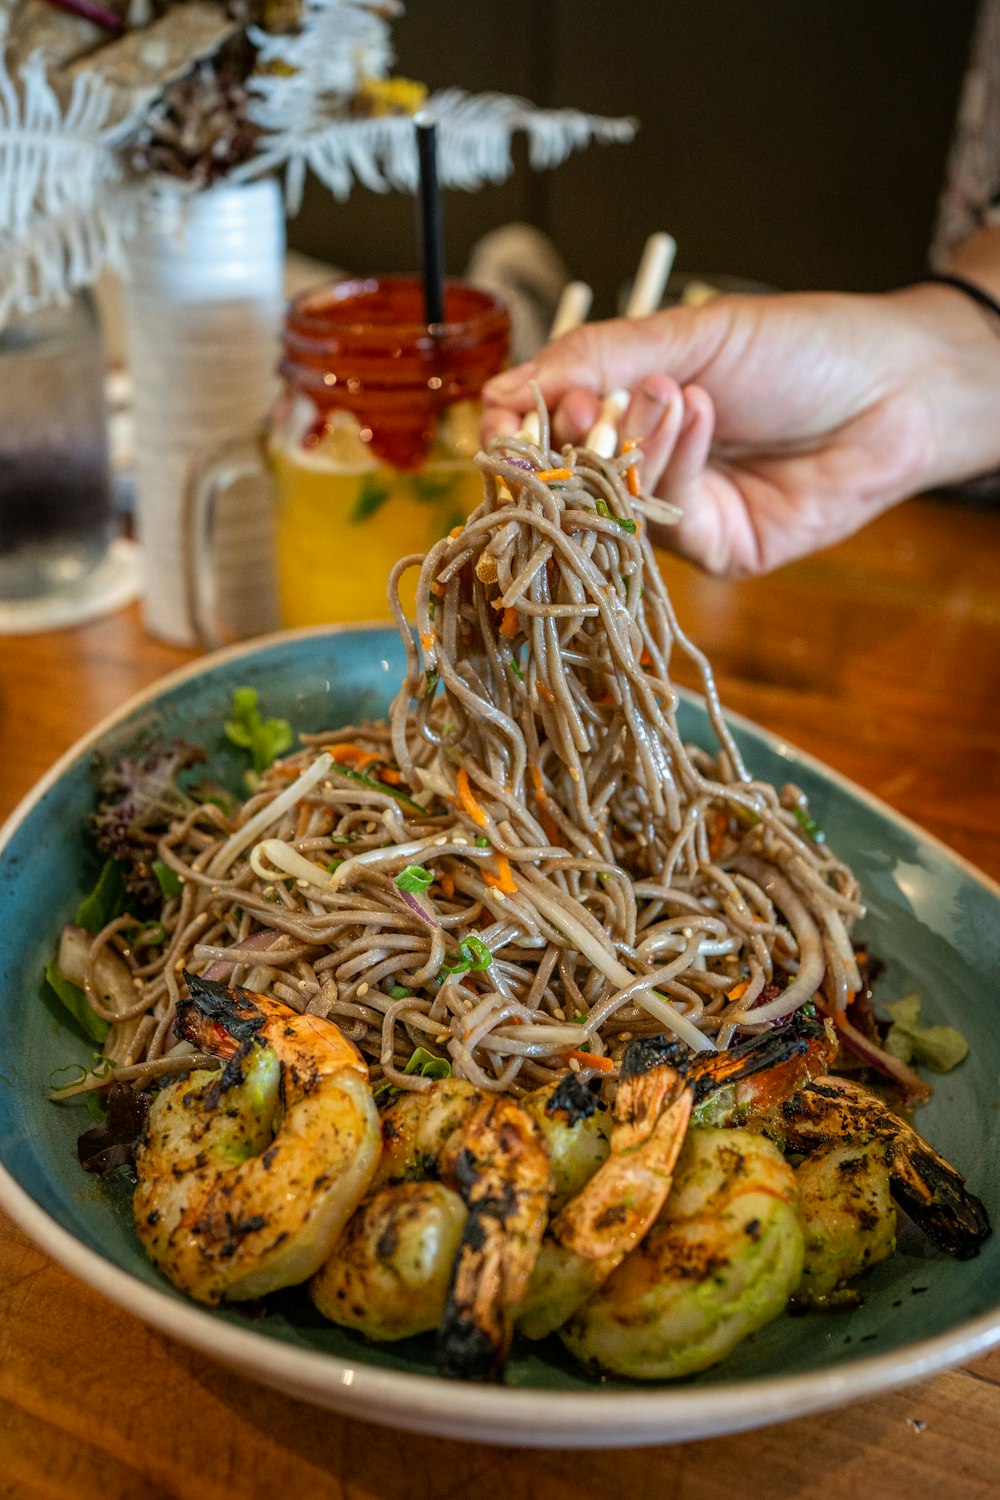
{"x":56,"y":510}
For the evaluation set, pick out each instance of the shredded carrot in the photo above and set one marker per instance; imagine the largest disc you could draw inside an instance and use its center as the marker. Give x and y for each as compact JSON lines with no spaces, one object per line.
{"x":351,"y":755}
{"x":390,"y":776}
{"x":548,"y":475}
{"x":468,"y":801}
{"x":511,"y":622}
{"x":717,"y":834}
{"x":427,"y":640}
{"x":632,"y":479}
{"x":645,"y":660}
{"x":456,"y":531}
{"x":545,"y":692}
{"x":503,"y":880}
{"x":545,"y":817}
{"x":446,"y":881}
{"x":437,"y":589}
{"x":738,"y":990}
{"x":592,"y":1060}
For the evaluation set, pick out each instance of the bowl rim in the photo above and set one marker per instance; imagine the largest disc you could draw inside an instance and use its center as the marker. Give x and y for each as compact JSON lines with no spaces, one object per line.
{"x":528,"y":1416}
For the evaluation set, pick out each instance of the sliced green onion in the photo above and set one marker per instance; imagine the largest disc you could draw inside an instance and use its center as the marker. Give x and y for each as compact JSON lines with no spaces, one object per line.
{"x":810,"y":825}
{"x":415,"y":878}
{"x":475,"y":957}
{"x":376,"y":786}
{"x":399,"y":992}
{"x":482,"y":843}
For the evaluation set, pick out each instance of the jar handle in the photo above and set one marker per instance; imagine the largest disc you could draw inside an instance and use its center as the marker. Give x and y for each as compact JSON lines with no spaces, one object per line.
{"x":228,"y":544}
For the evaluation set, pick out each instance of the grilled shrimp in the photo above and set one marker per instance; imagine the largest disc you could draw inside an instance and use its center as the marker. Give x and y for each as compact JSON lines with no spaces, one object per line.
{"x":835,"y":1111}
{"x":663,"y":1089}
{"x":247,"y":1176}
{"x":720,"y":1261}
{"x":576,"y":1129}
{"x":848,"y":1219}
{"x":457,"y":1258}
{"x":391,"y":1270}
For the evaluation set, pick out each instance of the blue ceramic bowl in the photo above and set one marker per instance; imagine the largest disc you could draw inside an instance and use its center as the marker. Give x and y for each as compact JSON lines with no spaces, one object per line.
{"x":934,"y":920}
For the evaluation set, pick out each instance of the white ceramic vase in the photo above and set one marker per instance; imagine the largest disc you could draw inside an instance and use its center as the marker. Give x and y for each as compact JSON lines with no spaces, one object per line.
{"x":203,"y":311}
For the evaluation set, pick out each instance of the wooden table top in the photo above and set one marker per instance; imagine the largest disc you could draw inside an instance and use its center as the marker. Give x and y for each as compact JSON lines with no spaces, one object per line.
{"x":882,"y":657}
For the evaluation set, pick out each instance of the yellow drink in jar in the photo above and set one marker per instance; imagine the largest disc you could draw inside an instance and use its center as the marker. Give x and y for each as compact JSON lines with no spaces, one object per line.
{"x":344,"y":519}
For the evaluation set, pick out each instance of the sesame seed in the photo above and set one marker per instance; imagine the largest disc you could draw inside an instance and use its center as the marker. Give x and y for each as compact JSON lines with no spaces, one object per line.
{"x":363,"y":989}
{"x":559,"y":1013}
{"x":625,"y":1036}
{"x":574,"y":1065}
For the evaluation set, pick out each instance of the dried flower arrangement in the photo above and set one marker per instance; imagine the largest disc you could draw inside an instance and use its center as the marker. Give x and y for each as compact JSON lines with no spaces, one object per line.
{"x":102,"y":102}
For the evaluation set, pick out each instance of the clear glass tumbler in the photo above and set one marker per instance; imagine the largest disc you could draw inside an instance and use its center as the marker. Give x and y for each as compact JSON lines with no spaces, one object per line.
{"x":56,"y":510}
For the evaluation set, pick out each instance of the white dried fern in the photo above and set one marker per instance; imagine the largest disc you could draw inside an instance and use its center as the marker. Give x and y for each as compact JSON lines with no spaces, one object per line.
{"x":304,"y":112}
{"x":61,"y":215}
{"x":475,"y":132}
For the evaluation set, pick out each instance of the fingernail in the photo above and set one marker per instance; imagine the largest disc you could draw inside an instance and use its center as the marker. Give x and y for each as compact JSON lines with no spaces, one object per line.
{"x":647,"y":412}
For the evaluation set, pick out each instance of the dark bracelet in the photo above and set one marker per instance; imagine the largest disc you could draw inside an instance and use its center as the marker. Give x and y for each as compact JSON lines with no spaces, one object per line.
{"x":970,"y":289}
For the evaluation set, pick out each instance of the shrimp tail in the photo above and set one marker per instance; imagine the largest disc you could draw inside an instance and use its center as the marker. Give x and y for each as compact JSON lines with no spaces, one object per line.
{"x":498,"y":1164}
{"x":831,"y":1110}
{"x":215,"y":1018}
{"x":571,"y":1101}
{"x":763,"y":1071}
{"x":935,"y":1196}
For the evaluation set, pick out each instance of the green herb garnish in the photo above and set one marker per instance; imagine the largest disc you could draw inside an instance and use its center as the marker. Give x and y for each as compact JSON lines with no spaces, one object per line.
{"x":482,"y":843}
{"x":428,"y":1065}
{"x":415,"y":878}
{"x":939,"y":1048}
{"x":150,"y":936}
{"x":399,"y":992}
{"x":167,"y":879}
{"x":266,"y":739}
{"x":71,"y":996}
{"x":604,"y":509}
{"x":107,"y":899}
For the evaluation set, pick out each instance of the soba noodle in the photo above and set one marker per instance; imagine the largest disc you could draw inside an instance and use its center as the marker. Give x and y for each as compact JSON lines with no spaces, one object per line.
{"x":582,"y":876}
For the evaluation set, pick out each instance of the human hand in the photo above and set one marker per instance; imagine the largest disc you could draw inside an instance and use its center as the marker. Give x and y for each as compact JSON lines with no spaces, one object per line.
{"x":779,"y":424}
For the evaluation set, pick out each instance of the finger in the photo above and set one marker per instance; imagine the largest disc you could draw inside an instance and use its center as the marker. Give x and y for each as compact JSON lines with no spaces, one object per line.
{"x":615,"y":355}
{"x":498,"y":421}
{"x":653,"y":419}
{"x":690,"y":455}
{"x":574,"y":416}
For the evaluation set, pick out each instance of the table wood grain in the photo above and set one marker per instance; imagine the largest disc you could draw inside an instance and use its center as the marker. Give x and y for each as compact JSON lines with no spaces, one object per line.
{"x":880,"y":656}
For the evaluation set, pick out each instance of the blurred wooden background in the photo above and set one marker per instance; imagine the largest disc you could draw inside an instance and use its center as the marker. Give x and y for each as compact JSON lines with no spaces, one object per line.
{"x":798,"y":142}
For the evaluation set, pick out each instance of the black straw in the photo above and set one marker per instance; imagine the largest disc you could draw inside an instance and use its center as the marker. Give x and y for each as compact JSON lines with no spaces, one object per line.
{"x":429,"y":222}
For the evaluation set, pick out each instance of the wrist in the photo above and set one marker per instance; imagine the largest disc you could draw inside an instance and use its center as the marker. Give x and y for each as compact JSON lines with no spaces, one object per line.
{"x":956,"y":377}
